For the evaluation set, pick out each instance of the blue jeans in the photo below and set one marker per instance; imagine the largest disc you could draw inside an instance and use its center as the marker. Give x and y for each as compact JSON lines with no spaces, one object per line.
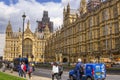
{"x":20,"y":73}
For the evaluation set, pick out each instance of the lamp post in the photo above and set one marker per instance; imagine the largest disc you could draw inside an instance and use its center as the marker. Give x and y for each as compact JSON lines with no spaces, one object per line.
{"x":23,"y":16}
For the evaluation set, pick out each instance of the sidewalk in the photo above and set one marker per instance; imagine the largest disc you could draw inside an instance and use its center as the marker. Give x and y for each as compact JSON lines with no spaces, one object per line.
{"x":34,"y":77}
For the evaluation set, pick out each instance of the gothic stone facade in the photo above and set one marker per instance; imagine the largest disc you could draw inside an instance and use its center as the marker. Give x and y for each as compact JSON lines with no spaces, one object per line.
{"x":91,"y":34}
{"x":33,"y":44}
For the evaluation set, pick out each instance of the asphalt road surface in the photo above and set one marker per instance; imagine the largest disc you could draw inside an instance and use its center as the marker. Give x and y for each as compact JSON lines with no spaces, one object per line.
{"x":47,"y":73}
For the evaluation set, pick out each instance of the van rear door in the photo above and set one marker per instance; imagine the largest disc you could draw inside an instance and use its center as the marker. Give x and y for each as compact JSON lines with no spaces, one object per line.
{"x":100,"y":71}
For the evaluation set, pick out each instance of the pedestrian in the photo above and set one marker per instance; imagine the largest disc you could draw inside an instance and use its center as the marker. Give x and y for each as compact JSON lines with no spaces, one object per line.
{"x":79,"y":69}
{"x":11,"y":65}
{"x":60,"y":70}
{"x":24,"y":69}
{"x":30,"y":70}
{"x":20,"y":72}
{"x":33,"y":66}
{"x":55,"y":71}
{"x":3,"y":66}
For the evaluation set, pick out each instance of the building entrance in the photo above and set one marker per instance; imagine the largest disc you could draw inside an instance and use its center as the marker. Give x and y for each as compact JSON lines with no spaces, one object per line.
{"x":65,"y":60}
{"x":27,"y":47}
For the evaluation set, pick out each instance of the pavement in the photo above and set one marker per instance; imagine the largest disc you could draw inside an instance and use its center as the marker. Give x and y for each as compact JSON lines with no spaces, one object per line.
{"x":34,"y":77}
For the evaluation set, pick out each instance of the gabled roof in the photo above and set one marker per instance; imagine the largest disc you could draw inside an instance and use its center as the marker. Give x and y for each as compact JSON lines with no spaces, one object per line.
{"x":28,"y":29}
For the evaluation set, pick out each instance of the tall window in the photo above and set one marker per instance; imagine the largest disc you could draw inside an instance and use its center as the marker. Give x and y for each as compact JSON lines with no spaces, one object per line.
{"x":27,"y":47}
{"x":104,"y":46}
{"x":97,"y":19}
{"x":90,"y":22}
{"x":104,"y":15}
{"x":115,"y":11}
{"x":90,"y":34}
{"x":117,"y":43}
{"x":105,"y":30}
{"x":116,"y":26}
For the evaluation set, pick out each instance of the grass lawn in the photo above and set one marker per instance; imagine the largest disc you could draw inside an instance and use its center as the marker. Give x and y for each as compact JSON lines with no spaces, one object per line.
{"x":4,"y":76}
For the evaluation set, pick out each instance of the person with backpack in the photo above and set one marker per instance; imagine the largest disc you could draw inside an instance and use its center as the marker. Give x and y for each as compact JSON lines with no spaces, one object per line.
{"x":79,"y":69}
{"x":20,"y":70}
{"x":60,"y":70}
{"x":24,"y":69}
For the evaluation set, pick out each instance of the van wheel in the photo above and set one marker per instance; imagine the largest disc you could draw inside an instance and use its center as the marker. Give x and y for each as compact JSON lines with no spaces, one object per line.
{"x":71,"y":78}
{"x":89,"y":78}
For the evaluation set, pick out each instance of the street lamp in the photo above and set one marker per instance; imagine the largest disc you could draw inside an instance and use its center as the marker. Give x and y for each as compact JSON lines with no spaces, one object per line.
{"x":23,"y":16}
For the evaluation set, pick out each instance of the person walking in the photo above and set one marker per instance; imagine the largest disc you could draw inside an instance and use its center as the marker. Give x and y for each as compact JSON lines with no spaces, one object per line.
{"x":11,"y":67}
{"x":60,"y":70}
{"x":79,"y":69}
{"x":55,"y":71}
{"x":20,"y":72}
{"x":33,"y":66}
{"x":3,"y":66}
{"x":30,"y":70}
{"x":24,"y":69}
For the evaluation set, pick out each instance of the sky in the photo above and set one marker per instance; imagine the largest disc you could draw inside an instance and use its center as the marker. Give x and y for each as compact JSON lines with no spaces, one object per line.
{"x":13,"y":10}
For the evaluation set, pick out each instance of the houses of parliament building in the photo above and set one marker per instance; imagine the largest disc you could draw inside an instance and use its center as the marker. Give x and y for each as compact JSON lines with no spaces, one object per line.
{"x":91,"y":32}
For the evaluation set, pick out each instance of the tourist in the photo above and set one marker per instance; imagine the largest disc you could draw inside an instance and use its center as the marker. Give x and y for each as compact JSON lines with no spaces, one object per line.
{"x":79,"y":69}
{"x":55,"y":71}
{"x":60,"y":70}
{"x":30,"y":70}
{"x":11,"y":67}
{"x":24,"y":69}
{"x":3,"y":66}
{"x":20,"y":72}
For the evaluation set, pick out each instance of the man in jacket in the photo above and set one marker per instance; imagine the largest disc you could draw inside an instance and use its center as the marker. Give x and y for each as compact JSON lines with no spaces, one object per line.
{"x":79,"y":69}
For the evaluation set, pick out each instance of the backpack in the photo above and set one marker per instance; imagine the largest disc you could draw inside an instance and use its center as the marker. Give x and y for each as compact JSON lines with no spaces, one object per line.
{"x":24,"y":68}
{"x":81,"y":69}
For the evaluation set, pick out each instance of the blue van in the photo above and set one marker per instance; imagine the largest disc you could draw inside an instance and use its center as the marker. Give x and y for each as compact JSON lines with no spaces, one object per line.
{"x":92,"y":71}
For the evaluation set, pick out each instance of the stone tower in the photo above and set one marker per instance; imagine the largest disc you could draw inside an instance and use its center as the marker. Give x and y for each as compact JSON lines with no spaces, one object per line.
{"x":46,"y":32}
{"x":92,"y":3}
{"x":9,"y":31}
{"x":83,"y":7}
{"x":45,"y":20}
{"x":66,"y":15}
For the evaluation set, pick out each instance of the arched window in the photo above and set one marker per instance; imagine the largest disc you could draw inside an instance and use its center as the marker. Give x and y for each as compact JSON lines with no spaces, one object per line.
{"x":27,"y":47}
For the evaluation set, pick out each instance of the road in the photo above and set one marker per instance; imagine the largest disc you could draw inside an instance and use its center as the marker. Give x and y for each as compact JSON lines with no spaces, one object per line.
{"x":47,"y":73}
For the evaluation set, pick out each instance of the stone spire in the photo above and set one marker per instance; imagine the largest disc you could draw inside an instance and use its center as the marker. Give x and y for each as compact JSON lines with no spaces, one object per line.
{"x":68,"y":8}
{"x":28,"y":24}
{"x":28,"y":28}
{"x":83,"y":8}
{"x":9,"y":30}
{"x":46,"y":31}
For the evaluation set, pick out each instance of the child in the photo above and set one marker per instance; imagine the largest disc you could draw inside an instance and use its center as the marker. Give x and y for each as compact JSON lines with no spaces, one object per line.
{"x":30,"y":70}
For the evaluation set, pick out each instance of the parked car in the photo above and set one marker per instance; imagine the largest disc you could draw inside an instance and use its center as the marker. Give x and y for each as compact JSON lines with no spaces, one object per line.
{"x":92,"y":71}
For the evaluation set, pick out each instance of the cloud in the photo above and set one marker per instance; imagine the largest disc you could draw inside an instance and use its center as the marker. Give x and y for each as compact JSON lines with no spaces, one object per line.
{"x":2,"y":42}
{"x":34,"y":11}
